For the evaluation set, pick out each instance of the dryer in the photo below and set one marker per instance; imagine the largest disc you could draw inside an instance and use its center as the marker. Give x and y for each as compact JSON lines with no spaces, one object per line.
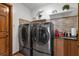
{"x":42,"y":43}
{"x":24,"y":39}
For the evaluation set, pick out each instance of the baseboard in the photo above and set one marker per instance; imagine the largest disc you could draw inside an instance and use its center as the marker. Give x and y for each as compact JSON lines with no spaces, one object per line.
{"x":15,"y":53}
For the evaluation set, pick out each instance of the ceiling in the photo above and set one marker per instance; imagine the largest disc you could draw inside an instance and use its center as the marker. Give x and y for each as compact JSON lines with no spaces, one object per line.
{"x":32,"y":6}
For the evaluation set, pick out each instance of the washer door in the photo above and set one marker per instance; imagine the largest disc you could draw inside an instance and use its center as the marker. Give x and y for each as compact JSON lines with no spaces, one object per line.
{"x":43,"y":36}
{"x":23,"y":35}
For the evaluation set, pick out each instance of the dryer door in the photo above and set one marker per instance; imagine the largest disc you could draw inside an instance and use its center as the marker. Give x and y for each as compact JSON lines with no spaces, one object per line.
{"x":43,"y":35}
{"x":42,"y":41}
{"x":23,"y":36}
{"x":24,"y":42}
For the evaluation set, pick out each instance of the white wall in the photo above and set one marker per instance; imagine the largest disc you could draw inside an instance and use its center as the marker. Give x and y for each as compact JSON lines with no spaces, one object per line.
{"x":51,"y":7}
{"x":19,"y":11}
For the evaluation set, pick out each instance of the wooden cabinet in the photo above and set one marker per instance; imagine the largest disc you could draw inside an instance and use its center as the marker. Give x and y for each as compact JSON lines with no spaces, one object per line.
{"x":66,"y":47}
{"x":70,"y":47}
{"x":58,"y":47}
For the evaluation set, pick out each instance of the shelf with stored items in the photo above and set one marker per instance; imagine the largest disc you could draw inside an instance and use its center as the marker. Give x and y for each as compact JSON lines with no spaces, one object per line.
{"x":63,"y":14}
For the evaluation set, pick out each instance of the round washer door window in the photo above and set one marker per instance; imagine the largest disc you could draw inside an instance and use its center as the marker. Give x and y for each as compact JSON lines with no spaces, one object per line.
{"x":43,"y":35}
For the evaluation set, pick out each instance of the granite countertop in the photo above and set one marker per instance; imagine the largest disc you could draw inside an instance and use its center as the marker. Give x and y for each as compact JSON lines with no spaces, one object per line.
{"x":70,"y":38}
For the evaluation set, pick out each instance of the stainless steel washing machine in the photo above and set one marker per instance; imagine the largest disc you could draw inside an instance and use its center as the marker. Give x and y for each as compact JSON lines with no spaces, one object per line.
{"x":24,"y":39}
{"x":42,"y":42}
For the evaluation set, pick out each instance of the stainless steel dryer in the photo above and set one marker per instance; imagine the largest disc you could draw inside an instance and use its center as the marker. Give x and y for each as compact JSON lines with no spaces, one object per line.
{"x":41,"y":40}
{"x":24,"y":39}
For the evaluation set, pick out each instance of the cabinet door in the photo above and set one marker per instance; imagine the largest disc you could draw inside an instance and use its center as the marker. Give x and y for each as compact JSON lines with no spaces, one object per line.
{"x":74,"y":49}
{"x":70,"y":47}
{"x":78,"y":51}
{"x":55,"y":47}
{"x":77,"y":48}
{"x":65,"y":47}
{"x":58,"y":47}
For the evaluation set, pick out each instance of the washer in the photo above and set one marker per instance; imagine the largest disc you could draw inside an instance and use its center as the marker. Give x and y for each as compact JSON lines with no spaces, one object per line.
{"x":42,"y":42}
{"x":24,"y":40}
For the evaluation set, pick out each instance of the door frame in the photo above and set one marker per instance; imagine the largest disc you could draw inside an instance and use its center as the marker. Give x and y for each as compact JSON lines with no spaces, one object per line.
{"x":78,"y":21}
{"x":10,"y":26}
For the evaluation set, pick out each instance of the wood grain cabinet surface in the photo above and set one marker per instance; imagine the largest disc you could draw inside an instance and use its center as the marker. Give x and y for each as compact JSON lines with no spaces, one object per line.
{"x":70,"y":47}
{"x":66,"y":47}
